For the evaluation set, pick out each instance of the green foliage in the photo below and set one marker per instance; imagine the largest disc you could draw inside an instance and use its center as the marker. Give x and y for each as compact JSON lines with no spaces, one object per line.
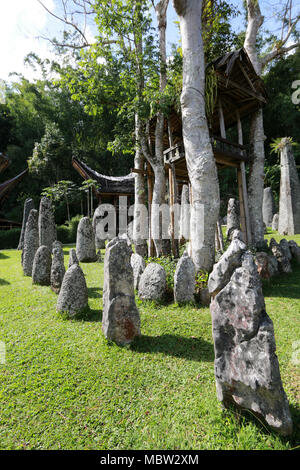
{"x":9,"y":238}
{"x":169,"y":266}
{"x":277,"y":144}
{"x":67,"y":233}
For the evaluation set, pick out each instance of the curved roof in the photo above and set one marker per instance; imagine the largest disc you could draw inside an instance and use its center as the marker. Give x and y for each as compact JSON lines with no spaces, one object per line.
{"x":8,"y":186}
{"x":4,"y":162}
{"x":107,"y":184}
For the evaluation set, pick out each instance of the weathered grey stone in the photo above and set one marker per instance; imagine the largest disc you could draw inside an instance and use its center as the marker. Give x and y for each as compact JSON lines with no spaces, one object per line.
{"x":289,"y":201}
{"x":228,"y":262}
{"x":47,"y":227}
{"x":121,"y":318}
{"x":138,"y":265}
{"x":185,"y":216}
{"x":246,"y":366}
{"x":153,"y":282}
{"x":73,"y":295}
{"x":284,"y":264}
{"x":184,"y":280}
{"x":41,"y":268}
{"x":233,"y":217}
{"x":72,"y":257}
{"x":267,"y":266}
{"x":31,"y":242}
{"x":28,"y":205}
{"x":85,"y":241}
{"x":275,"y":222}
{"x":295,"y":250}
{"x":284,"y":245}
{"x":98,"y":216}
{"x":204,"y":297}
{"x":57,"y":268}
{"x":268,"y":207}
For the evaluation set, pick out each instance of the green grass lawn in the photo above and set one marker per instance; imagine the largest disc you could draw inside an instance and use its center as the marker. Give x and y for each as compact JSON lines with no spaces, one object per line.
{"x":63,"y":386}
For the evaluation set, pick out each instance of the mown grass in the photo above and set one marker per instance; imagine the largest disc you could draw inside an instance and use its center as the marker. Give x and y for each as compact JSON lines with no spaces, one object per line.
{"x":63,"y":386}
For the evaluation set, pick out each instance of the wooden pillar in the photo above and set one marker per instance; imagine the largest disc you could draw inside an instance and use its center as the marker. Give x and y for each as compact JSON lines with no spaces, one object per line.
{"x":242,"y":185}
{"x":221,"y":119}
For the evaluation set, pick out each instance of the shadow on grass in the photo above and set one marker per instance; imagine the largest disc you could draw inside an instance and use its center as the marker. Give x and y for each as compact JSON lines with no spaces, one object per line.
{"x":3,"y":256}
{"x":89,"y":315}
{"x":284,"y":285}
{"x":193,"y":349}
{"x":95,"y":292}
{"x":3,"y":282}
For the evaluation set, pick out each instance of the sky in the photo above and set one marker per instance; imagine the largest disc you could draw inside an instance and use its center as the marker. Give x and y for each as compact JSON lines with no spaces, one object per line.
{"x":23,"y":22}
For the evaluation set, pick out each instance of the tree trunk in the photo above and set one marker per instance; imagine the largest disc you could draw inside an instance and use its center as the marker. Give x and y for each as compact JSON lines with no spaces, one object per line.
{"x":257,"y":137}
{"x":139,"y":221}
{"x":198,"y":150}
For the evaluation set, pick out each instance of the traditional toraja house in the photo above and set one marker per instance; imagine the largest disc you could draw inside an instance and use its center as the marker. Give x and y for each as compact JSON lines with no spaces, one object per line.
{"x":109,"y":187}
{"x":6,"y":188}
{"x":239,"y":93}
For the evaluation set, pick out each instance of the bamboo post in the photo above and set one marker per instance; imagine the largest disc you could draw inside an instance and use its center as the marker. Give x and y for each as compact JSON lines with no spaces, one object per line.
{"x":220,"y":235}
{"x":150,"y":196}
{"x":221,"y":119}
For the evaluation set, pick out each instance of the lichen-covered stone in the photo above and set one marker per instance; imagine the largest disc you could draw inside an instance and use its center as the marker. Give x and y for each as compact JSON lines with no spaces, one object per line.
{"x":41,"y":269}
{"x":121,"y":318}
{"x":47,"y":227}
{"x":275,"y":222}
{"x":57,"y":268}
{"x":85,"y":241}
{"x":31,"y":242}
{"x":295,"y":250}
{"x":73,"y":295}
{"x":228,"y":262}
{"x":138,"y":265}
{"x":28,"y":205}
{"x":246,"y":366}
{"x":233,"y":217}
{"x":184,"y":280}
{"x":72,"y":257}
{"x":153,"y":283}
{"x":267,"y":265}
{"x":268,"y":206}
{"x":284,"y":264}
{"x":284,"y":245}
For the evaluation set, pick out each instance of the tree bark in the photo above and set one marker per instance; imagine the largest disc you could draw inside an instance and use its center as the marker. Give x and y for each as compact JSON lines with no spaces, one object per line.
{"x":198,"y":149}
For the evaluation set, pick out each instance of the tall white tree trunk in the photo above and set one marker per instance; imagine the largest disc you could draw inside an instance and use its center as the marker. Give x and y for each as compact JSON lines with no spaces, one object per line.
{"x":257,"y":137}
{"x":198,"y":149}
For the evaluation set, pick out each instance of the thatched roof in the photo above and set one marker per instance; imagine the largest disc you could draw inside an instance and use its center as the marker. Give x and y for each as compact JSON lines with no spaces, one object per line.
{"x":8,"y":186}
{"x":109,"y":185}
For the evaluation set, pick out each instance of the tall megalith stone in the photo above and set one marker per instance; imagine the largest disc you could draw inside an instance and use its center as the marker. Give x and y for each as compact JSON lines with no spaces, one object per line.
{"x":31,"y":242}
{"x":47,"y":227}
{"x":57,"y":267}
{"x":85,"y":241}
{"x":73,"y":294}
{"x":233,"y":217}
{"x":289,"y":201}
{"x":268,"y":207}
{"x":28,"y":205}
{"x":246,"y":366}
{"x":41,"y":269}
{"x":185,"y":215}
{"x":121,"y":318}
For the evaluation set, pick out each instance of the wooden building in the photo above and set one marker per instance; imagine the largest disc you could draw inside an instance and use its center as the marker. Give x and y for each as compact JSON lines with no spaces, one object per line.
{"x":240,"y":92}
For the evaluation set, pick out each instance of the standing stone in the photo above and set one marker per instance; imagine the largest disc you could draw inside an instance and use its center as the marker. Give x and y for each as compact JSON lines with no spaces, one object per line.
{"x":289,"y":201}
{"x":121,"y":318}
{"x":284,"y":264}
{"x":267,"y":265}
{"x":185,"y":216}
{"x":57,"y":267}
{"x":73,"y":257}
{"x":28,"y":205}
{"x":98,"y":216}
{"x":275,"y":222}
{"x":85,"y":241}
{"x":295,"y":250}
{"x":47,"y":227}
{"x":138,"y":265}
{"x":31,"y":242}
{"x":246,"y":366}
{"x":184,"y":280}
{"x":268,"y":207}
{"x":284,"y":245}
{"x":41,"y":269}
{"x":233,"y":217}
{"x":153,"y":283}
{"x":73,"y":295}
